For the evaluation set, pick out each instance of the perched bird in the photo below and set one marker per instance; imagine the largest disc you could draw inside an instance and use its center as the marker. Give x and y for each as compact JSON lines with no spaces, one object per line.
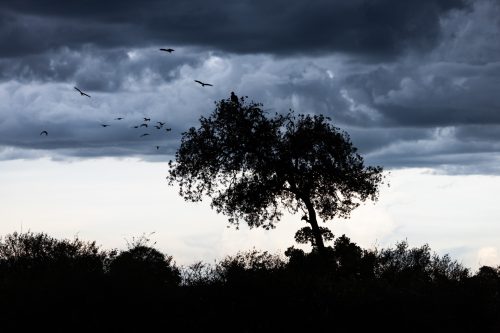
{"x":105,"y":125}
{"x":167,"y":50}
{"x":234,"y":98}
{"x":203,"y":83}
{"x":44,"y":133}
{"x":82,"y":93}
{"x":144,"y":125}
{"x":147,"y":119}
{"x":144,"y":135}
{"x":157,"y":127}
{"x":168,"y":129}
{"x":159,"y":122}
{"x":119,"y":118}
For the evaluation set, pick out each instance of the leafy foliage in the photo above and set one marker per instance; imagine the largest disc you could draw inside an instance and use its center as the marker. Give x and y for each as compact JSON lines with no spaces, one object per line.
{"x":24,"y":253}
{"x":305,"y":235}
{"x":142,"y":264}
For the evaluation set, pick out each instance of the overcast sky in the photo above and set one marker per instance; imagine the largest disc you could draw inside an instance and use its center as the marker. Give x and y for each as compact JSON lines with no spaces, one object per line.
{"x":415,"y":83}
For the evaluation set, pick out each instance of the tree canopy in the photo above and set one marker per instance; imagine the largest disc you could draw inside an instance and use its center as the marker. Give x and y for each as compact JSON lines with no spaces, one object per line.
{"x":255,"y":166}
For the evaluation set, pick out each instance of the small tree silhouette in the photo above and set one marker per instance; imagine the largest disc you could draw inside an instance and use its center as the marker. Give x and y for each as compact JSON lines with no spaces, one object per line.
{"x":254,"y":166}
{"x":144,"y":266}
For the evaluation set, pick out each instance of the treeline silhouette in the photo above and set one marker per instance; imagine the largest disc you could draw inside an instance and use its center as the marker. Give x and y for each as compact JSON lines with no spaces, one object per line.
{"x":73,"y":285}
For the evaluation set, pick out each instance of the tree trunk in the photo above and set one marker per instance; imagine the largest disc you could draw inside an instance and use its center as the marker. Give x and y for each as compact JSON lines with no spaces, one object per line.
{"x":318,"y":238}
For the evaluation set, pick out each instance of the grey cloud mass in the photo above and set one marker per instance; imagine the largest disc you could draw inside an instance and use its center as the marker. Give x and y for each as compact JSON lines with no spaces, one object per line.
{"x":378,"y":27}
{"x":415,"y":83}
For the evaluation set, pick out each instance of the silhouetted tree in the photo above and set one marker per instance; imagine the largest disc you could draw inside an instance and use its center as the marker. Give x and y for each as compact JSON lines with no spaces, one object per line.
{"x":254,"y":166}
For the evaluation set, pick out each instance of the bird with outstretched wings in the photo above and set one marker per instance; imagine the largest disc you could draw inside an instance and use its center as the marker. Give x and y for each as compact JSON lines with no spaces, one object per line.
{"x":144,"y":135}
{"x":82,"y":93}
{"x":167,"y":50}
{"x":203,"y":83}
{"x":44,"y":133}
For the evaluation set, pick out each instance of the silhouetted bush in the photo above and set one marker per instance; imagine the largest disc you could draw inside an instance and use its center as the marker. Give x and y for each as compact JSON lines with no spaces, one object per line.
{"x":199,"y":274}
{"x":144,"y":266}
{"x":344,"y":288}
{"x":38,"y":258}
{"x":248,"y":267}
{"x":402,"y":264}
{"x":41,"y":277}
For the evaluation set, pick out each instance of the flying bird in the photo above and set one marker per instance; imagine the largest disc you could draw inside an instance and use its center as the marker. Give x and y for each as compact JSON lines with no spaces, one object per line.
{"x":157,"y":127}
{"x":144,"y":125}
{"x":44,"y":133}
{"x":159,"y":122}
{"x":157,"y":147}
{"x":82,"y":93}
{"x":119,"y":118}
{"x":168,"y":129}
{"x":147,"y":119}
{"x":136,"y":126}
{"x":203,"y":83}
{"x":144,"y":135}
{"x":105,"y":125}
{"x":167,"y":50}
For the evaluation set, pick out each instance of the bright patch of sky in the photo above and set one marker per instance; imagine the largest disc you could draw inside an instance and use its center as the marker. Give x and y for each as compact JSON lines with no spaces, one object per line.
{"x":112,"y":200}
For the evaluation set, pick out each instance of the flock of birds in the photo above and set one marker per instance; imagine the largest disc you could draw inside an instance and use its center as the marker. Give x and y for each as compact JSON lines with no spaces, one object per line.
{"x":147,"y":121}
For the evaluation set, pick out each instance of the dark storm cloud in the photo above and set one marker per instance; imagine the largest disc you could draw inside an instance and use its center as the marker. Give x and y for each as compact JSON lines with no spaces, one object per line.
{"x":415,"y":83}
{"x":381,"y":28}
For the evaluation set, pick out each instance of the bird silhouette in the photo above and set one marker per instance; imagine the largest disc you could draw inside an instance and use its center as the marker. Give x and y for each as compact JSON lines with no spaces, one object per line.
{"x":147,"y":119}
{"x":168,"y":129}
{"x":157,"y":147}
{"x":159,"y":122}
{"x":203,"y":83}
{"x":234,"y":98}
{"x":105,"y":125}
{"x":144,"y":135}
{"x":157,"y":127}
{"x":167,"y":50}
{"x":136,"y":126}
{"x":119,"y":118}
{"x":82,"y":93}
{"x":144,"y":125}
{"x":44,"y":133}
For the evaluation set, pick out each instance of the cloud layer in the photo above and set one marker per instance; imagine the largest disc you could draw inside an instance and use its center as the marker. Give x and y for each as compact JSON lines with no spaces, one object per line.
{"x":415,"y":84}
{"x":380,"y":27}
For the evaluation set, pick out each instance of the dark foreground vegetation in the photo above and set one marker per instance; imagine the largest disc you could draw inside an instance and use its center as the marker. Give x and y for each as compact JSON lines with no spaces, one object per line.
{"x":72,"y":285}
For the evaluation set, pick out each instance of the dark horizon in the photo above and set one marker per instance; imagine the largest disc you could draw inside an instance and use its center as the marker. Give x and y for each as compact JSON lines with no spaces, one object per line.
{"x":46,"y":282}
